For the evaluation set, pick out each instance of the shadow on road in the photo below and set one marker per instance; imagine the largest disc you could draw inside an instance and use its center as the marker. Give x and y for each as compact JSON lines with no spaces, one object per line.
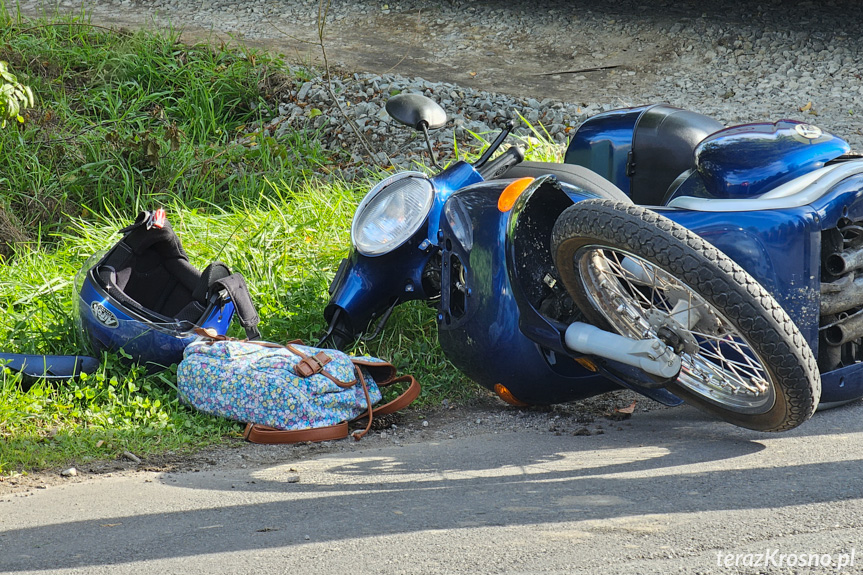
{"x":678,"y":463}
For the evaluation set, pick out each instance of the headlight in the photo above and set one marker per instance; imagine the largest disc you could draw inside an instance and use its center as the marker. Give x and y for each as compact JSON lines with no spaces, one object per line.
{"x":391,"y":213}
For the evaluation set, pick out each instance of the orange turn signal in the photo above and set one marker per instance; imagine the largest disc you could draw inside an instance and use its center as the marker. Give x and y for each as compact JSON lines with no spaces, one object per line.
{"x":505,"y":394}
{"x":511,"y":193}
{"x":586,"y":363}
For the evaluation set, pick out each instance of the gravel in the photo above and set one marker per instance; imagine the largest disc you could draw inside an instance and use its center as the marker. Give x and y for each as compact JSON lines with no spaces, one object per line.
{"x":474,"y":115}
{"x":488,"y":62}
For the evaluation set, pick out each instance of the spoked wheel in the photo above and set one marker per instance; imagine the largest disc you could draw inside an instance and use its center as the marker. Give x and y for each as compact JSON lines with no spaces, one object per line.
{"x":640,"y":274}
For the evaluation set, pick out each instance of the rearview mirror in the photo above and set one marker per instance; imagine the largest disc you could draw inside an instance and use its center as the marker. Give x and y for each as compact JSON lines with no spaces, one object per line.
{"x":414,"y":110}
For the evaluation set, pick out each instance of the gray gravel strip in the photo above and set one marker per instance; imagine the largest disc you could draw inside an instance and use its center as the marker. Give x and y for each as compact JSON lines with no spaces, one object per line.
{"x":552,"y":63}
{"x":474,"y":115}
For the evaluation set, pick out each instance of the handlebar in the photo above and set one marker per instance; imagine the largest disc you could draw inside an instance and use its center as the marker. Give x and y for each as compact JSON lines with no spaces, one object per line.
{"x":498,"y":166}
{"x":494,"y":146}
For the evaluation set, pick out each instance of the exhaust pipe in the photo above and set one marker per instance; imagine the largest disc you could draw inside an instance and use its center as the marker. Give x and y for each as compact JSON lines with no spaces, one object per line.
{"x":845,"y":330}
{"x":841,"y":295}
{"x":649,"y":355}
{"x":840,"y":263}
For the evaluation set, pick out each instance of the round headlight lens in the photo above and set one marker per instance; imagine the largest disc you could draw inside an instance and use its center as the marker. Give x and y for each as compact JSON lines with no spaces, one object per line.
{"x":391,"y":213}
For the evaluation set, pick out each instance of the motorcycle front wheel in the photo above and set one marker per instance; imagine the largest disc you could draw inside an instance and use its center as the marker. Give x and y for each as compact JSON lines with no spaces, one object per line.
{"x":642,"y":275}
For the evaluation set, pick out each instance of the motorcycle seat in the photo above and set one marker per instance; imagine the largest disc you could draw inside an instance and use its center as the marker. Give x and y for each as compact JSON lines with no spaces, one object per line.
{"x":574,"y":175}
{"x":663,"y":148}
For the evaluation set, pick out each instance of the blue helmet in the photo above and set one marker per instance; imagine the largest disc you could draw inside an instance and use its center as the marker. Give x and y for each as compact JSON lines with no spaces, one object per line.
{"x":144,"y":297}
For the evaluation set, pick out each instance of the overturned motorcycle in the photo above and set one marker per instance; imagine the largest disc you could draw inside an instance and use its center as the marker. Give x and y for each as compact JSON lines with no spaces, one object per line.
{"x":667,"y":254}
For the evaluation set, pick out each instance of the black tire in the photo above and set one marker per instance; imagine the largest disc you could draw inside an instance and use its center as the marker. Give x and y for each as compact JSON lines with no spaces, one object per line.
{"x":604,"y":239}
{"x":577,"y":176}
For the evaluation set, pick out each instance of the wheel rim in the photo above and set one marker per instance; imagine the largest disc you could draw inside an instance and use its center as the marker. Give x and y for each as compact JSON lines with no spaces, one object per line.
{"x":640,"y":300}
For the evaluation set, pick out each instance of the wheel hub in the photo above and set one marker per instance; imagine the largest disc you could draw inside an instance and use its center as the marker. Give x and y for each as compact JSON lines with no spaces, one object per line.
{"x":672,"y":333}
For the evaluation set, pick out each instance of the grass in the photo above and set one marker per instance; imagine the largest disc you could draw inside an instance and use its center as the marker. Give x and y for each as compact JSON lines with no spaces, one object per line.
{"x":131,"y":121}
{"x":292,"y":241}
{"x":134,"y":118}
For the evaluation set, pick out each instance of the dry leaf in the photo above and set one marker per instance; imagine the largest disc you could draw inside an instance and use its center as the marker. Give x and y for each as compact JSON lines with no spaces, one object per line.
{"x":629,"y":409}
{"x":621,"y":413}
{"x":806,"y":107}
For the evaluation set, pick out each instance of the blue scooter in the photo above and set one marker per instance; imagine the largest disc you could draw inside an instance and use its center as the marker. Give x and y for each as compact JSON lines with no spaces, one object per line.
{"x":667,"y":254}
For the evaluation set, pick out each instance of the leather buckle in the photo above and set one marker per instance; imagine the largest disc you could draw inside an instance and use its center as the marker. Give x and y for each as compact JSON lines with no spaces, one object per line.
{"x":309,"y":366}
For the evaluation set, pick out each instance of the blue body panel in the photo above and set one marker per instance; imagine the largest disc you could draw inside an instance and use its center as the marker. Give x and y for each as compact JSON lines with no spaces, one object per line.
{"x":530,"y":359}
{"x":456,"y":177}
{"x":781,"y":249}
{"x":737,"y":162}
{"x":488,"y":319}
{"x":365,"y":287}
{"x":603,"y":142}
{"x":746,"y":161}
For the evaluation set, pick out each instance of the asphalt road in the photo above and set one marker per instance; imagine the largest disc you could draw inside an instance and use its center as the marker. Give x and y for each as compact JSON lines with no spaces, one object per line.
{"x":671,"y":493}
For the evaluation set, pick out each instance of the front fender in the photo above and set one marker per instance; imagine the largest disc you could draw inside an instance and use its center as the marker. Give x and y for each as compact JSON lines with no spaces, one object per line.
{"x":364,"y":288}
{"x":478,"y":322}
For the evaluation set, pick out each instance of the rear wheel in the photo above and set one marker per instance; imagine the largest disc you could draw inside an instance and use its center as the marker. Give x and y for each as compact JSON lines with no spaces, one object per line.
{"x":640,"y":274}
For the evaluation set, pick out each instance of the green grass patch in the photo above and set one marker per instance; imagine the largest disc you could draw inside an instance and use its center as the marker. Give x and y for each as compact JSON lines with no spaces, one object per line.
{"x":132,"y":121}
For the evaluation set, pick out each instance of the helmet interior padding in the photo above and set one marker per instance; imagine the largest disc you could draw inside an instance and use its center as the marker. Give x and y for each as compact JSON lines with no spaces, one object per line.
{"x":149,"y":272}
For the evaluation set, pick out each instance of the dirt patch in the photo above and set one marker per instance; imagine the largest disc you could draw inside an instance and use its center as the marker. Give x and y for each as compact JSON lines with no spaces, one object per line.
{"x":571,"y":55}
{"x":609,"y":413}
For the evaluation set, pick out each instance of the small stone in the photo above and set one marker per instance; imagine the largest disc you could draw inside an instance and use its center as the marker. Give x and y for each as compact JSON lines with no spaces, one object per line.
{"x":131,"y":456}
{"x":71,"y":472}
{"x":304,"y":90}
{"x":425,"y":423}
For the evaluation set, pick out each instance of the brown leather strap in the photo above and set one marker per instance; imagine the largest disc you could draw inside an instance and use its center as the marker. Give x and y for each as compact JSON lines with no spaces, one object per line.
{"x":405,"y":399}
{"x":308,"y":358}
{"x":312,"y":364}
{"x":370,"y":413}
{"x":256,"y":433}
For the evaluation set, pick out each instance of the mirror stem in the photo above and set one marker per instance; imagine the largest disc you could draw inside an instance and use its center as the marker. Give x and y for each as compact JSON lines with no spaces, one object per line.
{"x":425,"y":128}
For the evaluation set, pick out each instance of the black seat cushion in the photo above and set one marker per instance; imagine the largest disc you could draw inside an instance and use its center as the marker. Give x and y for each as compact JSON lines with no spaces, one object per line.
{"x":663,"y":147}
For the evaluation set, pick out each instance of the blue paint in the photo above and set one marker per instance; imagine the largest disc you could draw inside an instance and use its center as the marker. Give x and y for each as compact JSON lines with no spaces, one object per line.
{"x":603,"y":142}
{"x":746,"y":161}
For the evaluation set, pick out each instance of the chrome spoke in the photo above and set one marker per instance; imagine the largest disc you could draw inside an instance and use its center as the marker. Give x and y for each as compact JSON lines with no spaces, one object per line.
{"x":638,"y":298}
{"x":733,"y":365}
